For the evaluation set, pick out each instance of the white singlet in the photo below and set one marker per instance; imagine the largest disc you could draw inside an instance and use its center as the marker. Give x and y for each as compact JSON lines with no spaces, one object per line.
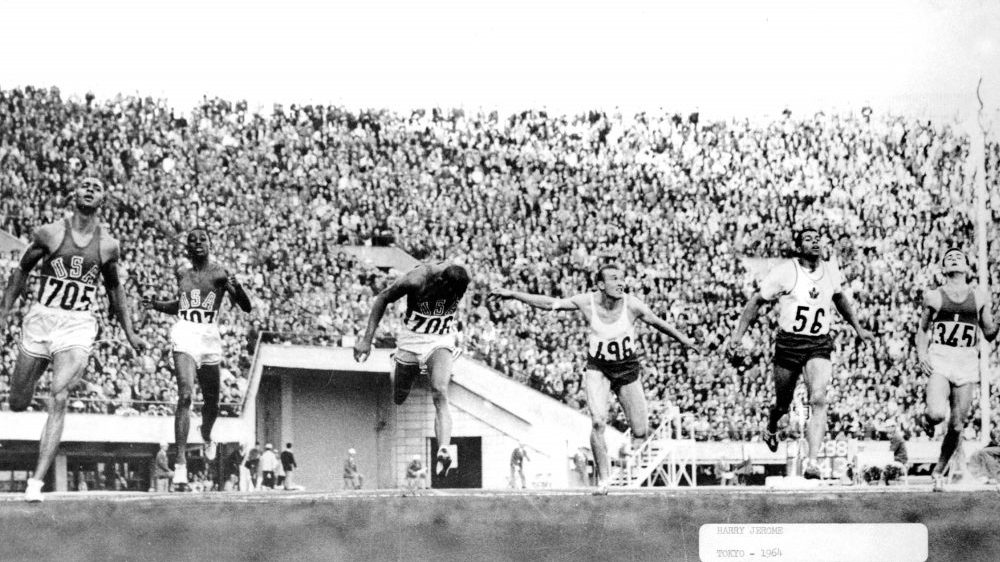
{"x":805,"y":298}
{"x":614,"y":342}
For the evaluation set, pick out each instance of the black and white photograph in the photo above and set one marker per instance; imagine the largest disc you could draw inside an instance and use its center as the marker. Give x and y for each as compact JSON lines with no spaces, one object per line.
{"x":708,"y":280}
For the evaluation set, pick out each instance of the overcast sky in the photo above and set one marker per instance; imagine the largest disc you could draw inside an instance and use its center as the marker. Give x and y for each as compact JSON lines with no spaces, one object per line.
{"x":744,"y":57}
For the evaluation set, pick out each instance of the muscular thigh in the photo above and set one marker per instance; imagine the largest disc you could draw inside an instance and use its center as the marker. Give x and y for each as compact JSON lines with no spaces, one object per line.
{"x":598,"y":390}
{"x":938,"y":395}
{"x":785,"y":380}
{"x":439,"y":366}
{"x":68,"y":367}
{"x":27,"y":371}
{"x":407,"y":357}
{"x":185,"y":368}
{"x":633,"y":402}
{"x":817,"y":373}
{"x":961,"y":402}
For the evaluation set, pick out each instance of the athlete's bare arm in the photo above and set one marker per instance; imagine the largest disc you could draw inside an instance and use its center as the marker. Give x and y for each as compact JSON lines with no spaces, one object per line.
{"x":747,"y":318}
{"x":36,"y":251}
{"x":171,"y":307}
{"x":986,"y":321}
{"x":540,"y":301}
{"x":845,"y":309}
{"x":237,"y":293}
{"x":927,"y":308}
{"x":641,"y":311}
{"x":116,"y":293}
{"x":402,"y":287}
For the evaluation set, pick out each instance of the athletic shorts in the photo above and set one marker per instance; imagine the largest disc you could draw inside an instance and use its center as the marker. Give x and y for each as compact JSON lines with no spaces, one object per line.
{"x":420,"y":347}
{"x":202,"y":342}
{"x":619,"y":373}
{"x":793,"y":351}
{"x":960,"y":365}
{"x":47,"y":331}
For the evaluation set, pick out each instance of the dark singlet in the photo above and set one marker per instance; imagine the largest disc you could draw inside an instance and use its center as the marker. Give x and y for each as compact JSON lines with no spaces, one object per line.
{"x":200,"y":299}
{"x":69,"y":275}
{"x":956,"y":324}
{"x":431,"y":312}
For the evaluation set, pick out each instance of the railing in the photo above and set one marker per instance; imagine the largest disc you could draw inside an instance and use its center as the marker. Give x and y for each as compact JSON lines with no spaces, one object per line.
{"x":644,"y":463}
{"x":628,"y":472}
{"x":121,"y":407}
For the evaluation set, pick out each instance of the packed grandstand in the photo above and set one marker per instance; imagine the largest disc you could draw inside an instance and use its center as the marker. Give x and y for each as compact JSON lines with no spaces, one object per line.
{"x":691,"y":208}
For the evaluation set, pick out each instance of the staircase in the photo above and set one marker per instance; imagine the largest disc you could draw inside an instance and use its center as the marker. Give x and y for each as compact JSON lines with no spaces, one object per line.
{"x":666,"y":458}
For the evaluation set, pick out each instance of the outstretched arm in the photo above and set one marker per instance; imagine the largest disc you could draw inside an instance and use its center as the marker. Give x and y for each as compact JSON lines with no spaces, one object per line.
{"x":644,"y":313}
{"x":116,"y":296}
{"x":237,"y":293}
{"x":845,"y":309}
{"x":923,"y":339}
{"x":19,"y":277}
{"x":391,"y":294}
{"x":748,"y":316}
{"x":171,"y":307}
{"x":167,"y":307}
{"x":536,"y":301}
{"x":986,"y":320}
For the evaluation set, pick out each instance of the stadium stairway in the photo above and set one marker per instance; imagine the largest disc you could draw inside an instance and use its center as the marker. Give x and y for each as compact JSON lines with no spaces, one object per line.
{"x":667,"y":458}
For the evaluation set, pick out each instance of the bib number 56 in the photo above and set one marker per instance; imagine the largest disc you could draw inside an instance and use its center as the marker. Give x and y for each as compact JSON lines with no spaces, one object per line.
{"x":802,"y":320}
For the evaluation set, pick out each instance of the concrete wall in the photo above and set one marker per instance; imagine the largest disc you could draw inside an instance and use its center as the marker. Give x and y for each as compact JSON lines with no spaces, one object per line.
{"x":325,"y":413}
{"x":102,"y":428}
{"x":484,"y":403}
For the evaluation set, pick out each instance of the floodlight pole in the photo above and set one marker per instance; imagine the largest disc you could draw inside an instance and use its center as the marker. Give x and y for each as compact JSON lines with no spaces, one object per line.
{"x":977,"y":153}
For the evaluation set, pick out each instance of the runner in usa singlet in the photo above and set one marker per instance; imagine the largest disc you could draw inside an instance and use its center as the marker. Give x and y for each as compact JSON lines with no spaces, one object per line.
{"x":69,"y":275}
{"x":430,"y":314}
{"x":200,"y":299}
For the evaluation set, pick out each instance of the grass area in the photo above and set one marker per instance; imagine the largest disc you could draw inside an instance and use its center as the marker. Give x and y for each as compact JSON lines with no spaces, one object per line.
{"x":962,"y":526}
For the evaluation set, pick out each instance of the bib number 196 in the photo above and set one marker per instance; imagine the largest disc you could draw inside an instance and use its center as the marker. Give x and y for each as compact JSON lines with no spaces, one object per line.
{"x":613,"y":350}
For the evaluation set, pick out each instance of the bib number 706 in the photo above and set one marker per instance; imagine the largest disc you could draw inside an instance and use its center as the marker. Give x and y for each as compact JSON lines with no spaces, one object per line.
{"x":802,"y":320}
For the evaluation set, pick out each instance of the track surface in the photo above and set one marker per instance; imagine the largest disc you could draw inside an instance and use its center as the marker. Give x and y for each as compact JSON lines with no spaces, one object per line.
{"x":646,"y":524}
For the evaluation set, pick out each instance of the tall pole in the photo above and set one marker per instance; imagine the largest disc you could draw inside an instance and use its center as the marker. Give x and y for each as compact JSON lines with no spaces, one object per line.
{"x":977,"y":157}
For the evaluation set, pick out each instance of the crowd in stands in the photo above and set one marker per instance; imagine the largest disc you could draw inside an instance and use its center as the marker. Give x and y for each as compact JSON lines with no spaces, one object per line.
{"x":693,"y":210}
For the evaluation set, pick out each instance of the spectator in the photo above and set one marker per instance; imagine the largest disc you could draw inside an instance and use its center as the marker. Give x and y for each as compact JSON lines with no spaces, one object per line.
{"x":269,"y":464}
{"x":288,"y":465}
{"x":353,"y":480}
{"x":416,"y":475}
{"x":248,"y":468}
{"x":162,"y":473}
{"x":581,"y":461}
{"x":517,"y":458}
{"x":234,"y":463}
{"x":252,"y":465}
{"x":696,"y":210}
{"x":984,"y":464}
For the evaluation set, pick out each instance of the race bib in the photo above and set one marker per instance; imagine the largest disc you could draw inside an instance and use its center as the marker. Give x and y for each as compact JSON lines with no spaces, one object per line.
{"x":618,"y":349}
{"x":67,"y":294}
{"x":955,"y":334}
{"x":197,"y":315}
{"x":429,"y":325}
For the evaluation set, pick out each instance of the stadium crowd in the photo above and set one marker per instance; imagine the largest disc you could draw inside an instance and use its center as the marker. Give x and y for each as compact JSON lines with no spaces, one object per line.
{"x":692,"y":210}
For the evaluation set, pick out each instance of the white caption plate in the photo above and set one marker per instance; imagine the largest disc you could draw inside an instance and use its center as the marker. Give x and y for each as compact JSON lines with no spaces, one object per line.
{"x":820,"y":542}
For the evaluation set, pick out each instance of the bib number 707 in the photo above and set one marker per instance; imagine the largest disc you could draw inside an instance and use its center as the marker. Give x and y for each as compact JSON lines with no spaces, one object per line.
{"x":802,"y":320}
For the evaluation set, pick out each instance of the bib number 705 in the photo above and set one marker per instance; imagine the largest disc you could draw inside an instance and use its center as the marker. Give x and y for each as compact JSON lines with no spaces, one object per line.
{"x":802,"y":320}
